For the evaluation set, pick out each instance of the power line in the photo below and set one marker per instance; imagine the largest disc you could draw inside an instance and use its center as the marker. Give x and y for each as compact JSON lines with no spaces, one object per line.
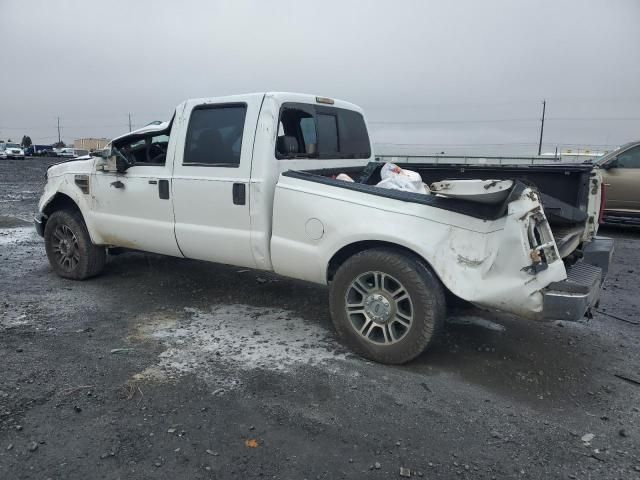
{"x":370,"y":122}
{"x":500,"y":120}
{"x":429,"y":122}
{"x":454,"y":144}
{"x":510,"y":144}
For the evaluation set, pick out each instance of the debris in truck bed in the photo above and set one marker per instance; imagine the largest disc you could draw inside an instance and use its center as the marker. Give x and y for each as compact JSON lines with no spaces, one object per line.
{"x":344,"y":177}
{"x":482,"y":191}
{"x":396,"y":178}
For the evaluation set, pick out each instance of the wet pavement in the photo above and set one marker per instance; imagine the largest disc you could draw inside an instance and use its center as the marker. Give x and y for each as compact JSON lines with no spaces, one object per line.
{"x":170,"y":368}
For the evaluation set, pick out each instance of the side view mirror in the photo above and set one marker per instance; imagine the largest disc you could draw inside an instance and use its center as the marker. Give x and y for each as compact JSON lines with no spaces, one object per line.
{"x":122,"y":164}
{"x":104,"y":154}
{"x":613,"y":163}
{"x":115,"y":161}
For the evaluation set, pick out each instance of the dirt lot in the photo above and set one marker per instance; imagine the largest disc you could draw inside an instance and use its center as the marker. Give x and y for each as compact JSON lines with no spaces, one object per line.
{"x":168,"y":368}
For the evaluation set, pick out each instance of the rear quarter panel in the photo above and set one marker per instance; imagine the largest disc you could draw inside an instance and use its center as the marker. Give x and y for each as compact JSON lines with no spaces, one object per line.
{"x":478,"y":260}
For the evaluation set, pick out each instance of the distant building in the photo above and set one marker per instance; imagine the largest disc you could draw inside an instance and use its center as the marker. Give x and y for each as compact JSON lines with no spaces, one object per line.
{"x":91,"y":143}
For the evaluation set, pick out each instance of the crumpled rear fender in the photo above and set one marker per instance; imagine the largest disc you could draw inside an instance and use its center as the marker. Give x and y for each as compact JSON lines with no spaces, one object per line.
{"x":505,"y":269}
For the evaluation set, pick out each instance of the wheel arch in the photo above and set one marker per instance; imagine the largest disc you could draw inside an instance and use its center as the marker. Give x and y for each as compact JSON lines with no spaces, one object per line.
{"x":347,"y":251}
{"x":60,"y":201}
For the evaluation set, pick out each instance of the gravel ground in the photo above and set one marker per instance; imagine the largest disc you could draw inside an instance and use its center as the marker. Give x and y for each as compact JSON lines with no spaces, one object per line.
{"x":169,"y":368}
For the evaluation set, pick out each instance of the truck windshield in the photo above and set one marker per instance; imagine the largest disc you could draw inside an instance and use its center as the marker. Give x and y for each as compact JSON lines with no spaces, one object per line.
{"x":143,"y":148}
{"x":13,"y":145}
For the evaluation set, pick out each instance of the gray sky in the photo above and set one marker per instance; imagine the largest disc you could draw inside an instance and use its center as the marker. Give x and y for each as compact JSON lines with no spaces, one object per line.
{"x":455,"y":76}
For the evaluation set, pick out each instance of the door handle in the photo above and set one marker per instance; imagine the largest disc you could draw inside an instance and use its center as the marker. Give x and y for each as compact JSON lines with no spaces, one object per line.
{"x":117,"y":184}
{"x":239,"y":194}
{"x":163,"y":189}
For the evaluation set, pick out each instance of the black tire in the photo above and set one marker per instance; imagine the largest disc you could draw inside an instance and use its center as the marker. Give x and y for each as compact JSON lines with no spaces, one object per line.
{"x":69,"y":248}
{"x":389,"y":341}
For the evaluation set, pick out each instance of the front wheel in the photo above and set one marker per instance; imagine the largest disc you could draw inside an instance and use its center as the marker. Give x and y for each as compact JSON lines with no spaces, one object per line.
{"x":69,"y":248}
{"x":386,"y":305}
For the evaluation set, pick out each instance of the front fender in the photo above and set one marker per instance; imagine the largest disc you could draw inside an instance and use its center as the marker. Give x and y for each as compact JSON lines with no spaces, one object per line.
{"x":64,"y":188}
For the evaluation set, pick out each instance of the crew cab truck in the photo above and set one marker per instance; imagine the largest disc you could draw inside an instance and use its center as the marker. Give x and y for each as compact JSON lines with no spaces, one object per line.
{"x":250,"y":180}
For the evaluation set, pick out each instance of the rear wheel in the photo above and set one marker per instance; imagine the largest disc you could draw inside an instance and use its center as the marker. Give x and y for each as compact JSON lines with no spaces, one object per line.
{"x":386,"y":305}
{"x":69,"y":248}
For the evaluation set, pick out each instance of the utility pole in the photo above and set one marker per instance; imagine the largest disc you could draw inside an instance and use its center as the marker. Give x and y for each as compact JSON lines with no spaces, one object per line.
{"x":544,"y":107}
{"x":59,"y":130}
{"x":129,"y":122}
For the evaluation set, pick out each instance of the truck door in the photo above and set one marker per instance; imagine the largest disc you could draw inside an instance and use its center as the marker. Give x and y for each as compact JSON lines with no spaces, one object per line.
{"x":133,"y":209}
{"x":211,"y":180}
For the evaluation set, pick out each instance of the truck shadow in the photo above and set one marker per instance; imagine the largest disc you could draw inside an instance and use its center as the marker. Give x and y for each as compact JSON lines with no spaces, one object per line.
{"x":528,"y":360}
{"x":535,"y":362}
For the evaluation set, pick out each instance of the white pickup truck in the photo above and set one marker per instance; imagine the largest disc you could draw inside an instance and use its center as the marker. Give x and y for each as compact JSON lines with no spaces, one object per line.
{"x":250,"y":180}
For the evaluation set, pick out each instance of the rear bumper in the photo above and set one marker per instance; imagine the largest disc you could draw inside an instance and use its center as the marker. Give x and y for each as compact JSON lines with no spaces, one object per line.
{"x":571,"y":299}
{"x":38,"y":222}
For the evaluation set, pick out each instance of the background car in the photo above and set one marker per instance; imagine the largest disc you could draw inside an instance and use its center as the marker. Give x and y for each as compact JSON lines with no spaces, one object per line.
{"x":69,"y":152}
{"x":13,"y":150}
{"x":39,"y":150}
{"x":620,"y":171}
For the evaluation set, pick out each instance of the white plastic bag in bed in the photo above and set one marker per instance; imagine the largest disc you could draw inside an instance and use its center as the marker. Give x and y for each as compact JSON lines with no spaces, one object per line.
{"x":396,"y":178}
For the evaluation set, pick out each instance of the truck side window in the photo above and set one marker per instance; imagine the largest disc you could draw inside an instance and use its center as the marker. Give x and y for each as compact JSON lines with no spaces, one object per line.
{"x":630,"y":158}
{"x":327,"y":135}
{"x":214,"y":135}
{"x":297,"y":133}
{"x":354,"y":139}
{"x":318,"y":131}
{"x":142,"y":150}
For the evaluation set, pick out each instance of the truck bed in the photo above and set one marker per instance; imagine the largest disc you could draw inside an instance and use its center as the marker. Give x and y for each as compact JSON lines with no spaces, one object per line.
{"x":564,"y":191}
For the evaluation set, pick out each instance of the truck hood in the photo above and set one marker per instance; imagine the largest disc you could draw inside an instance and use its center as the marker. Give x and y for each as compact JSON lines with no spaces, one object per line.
{"x":77,"y":165}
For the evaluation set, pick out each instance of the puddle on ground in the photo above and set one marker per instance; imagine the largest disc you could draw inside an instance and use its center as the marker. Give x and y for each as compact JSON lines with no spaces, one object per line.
{"x":7,"y":221}
{"x":10,"y":236}
{"x":221,"y":343}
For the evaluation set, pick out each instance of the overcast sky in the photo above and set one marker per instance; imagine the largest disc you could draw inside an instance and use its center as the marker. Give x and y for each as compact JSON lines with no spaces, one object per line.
{"x":453,"y":76}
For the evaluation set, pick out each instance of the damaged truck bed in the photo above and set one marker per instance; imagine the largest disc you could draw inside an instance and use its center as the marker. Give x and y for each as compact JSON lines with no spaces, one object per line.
{"x":534,"y":254}
{"x":252,"y":180}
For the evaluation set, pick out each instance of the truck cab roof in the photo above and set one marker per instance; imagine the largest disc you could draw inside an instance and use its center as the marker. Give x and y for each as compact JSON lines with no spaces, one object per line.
{"x":280,"y":97}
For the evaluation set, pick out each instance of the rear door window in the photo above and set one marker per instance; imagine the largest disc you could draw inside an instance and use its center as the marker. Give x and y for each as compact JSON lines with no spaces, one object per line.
{"x":308,"y":127}
{"x":310,"y":131}
{"x":354,"y":139}
{"x":327,"y":135}
{"x":214,"y":136}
